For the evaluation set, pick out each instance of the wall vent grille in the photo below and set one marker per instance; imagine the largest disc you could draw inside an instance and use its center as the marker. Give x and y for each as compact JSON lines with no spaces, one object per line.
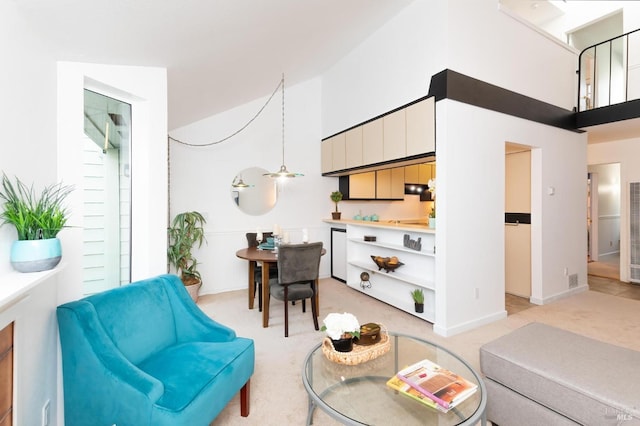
{"x":573,"y":280}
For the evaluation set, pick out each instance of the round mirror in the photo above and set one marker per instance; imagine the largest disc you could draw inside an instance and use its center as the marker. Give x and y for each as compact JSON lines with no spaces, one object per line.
{"x":254,"y":193}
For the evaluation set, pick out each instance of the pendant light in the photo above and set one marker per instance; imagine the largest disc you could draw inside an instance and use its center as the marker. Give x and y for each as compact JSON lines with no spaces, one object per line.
{"x":283,"y":172}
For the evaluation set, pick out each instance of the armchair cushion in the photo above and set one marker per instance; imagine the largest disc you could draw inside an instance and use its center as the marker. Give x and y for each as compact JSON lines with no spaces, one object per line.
{"x":145,"y":354}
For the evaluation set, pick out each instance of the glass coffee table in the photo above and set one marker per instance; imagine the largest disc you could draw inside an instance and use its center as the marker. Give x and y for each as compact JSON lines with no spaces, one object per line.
{"x":358,"y":394}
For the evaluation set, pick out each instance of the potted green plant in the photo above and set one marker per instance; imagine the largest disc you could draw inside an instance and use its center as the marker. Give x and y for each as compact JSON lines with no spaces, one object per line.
{"x":432,"y":217}
{"x":418,"y":299}
{"x":336,"y":197}
{"x":186,"y":231}
{"x":37,"y":218}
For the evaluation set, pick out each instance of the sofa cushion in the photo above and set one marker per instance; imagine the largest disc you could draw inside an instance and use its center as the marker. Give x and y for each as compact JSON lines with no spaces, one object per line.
{"x":186,"y":370}
{"x":586,"y":380}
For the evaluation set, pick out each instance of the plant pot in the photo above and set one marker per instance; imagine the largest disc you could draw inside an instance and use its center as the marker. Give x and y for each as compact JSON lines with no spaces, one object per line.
{"x":35,"y":255}
{"x":432,"y":222}
{"x":335,"y":215}
{"x":343,"y":345}
{"x":193,"y":290}
{"x":419,"y":307}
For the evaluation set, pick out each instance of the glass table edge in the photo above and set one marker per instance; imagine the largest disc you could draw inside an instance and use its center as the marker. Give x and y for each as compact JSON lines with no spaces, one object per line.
{"x":316,"y":401}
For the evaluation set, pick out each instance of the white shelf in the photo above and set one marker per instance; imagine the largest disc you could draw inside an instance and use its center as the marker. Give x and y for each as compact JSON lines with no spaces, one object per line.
{"x":394,"y":287}
{"x":392,"y":246}
{"x":373,"y":269}
{"x":404,"y":304}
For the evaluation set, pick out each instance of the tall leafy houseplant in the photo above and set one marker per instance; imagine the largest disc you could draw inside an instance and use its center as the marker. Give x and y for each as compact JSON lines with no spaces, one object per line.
{"x":37,"y":217}
{"x":186,"y":231}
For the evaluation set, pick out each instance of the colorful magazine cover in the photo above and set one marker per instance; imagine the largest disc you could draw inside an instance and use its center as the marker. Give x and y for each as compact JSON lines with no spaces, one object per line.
{"x":443,"y":387}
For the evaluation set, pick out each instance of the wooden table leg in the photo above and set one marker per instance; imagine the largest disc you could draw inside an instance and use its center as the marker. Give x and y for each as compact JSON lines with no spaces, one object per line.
{"x":318,"y":296}
{"x":250,"y":288}
{"x":265,"y":293}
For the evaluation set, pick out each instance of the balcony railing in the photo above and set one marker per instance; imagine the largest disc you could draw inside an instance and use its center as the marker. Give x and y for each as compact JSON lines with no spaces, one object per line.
{"x":609,"y":72}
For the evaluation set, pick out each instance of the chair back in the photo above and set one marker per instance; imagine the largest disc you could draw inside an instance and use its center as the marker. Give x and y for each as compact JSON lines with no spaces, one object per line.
{"x":299,"y":262}
{"x":251,"y":238}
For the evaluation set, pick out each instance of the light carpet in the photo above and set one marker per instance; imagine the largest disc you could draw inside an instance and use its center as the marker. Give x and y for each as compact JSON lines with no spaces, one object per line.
{"x":277,"y":394}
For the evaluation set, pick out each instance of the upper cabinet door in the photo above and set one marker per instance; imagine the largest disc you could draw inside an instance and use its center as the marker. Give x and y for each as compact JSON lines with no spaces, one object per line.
{"x":326,"y":154}
{"x":338,"y":151}
{"x":395,"y":135}
{"x":421,"y":135}
{"x":353,"y":148}
{"x":372,"y":142}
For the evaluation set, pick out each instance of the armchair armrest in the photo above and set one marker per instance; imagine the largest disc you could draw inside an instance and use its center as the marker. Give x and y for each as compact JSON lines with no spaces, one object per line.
{"x":191,"y":323}
{"x":83,"y":335}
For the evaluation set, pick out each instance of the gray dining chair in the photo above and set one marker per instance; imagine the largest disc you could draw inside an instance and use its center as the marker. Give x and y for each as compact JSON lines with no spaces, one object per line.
{"x":257,"y":273}
{"x":298,"y":268}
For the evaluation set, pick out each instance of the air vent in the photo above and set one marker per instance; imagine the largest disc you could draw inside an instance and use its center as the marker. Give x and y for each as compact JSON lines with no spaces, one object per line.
{"x":573,"y":280}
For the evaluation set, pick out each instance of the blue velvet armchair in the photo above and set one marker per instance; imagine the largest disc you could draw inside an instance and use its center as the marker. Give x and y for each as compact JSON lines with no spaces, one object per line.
{"x":145,"y":354}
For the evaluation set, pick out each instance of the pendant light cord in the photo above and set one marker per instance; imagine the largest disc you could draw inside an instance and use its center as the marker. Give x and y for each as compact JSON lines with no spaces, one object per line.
{"x":280,"y":84}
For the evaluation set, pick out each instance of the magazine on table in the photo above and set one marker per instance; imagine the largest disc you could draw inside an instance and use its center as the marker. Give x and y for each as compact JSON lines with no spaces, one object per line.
{"x":432,"y":385}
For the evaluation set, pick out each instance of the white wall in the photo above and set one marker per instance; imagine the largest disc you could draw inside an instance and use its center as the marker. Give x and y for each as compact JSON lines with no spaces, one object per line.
{"x":28,"y":150}
{"x":626,"y":152}
{"x":302,"y":202}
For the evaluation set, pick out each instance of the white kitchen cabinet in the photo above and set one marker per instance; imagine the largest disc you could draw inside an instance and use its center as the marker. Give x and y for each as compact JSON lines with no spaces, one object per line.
{"x":420,"y":124}
{"x":394,"y":287}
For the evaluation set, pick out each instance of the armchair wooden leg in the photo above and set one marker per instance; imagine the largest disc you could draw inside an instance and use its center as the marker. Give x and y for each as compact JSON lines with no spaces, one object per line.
{"x":244,"y":399}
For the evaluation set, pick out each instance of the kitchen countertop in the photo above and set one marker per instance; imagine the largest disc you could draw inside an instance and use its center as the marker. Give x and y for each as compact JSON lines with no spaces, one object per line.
{"x":400,"y":225}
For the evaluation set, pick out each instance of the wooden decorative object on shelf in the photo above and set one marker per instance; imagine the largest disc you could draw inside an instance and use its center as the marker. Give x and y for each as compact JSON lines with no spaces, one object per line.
{"x":389,"y":264}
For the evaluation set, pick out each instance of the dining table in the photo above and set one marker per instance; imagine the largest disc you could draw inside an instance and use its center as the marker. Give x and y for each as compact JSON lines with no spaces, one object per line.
{"x":267,"y":258}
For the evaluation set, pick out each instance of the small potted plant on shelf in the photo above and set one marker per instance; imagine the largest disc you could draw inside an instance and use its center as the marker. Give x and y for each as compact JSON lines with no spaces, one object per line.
{"x":341,"y":329}
{"x":432,"y":217}
{"x":418,"y":300}
{"x":431,"y":187}
{"x":336,"y":197}
{"x":37,"y":218}
{"x":187,"y":230}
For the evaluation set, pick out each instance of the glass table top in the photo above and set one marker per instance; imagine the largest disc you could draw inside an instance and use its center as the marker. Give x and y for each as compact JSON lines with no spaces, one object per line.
{"x":358,"y":394}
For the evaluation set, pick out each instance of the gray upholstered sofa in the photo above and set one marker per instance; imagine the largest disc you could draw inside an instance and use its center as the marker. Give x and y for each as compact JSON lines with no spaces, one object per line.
{"x":542,"y":375}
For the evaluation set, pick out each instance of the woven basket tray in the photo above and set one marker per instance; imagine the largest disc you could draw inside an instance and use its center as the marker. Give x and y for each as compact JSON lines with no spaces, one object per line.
{"x":360,"y":353}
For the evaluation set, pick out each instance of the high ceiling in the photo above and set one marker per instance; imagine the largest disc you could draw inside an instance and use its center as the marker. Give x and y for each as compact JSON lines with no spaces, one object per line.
{"x":219,"y":53}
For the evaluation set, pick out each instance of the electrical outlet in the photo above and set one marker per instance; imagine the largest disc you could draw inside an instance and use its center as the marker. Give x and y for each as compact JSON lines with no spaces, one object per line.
{"x":45,"y":413}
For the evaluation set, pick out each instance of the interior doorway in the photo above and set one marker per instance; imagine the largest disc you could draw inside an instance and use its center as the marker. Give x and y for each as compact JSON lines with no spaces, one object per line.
{"x":603,"y":220}
{"x":518,"y":220}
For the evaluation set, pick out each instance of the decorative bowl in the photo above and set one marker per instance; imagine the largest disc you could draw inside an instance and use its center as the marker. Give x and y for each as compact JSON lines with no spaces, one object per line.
{"x":389,"y":264}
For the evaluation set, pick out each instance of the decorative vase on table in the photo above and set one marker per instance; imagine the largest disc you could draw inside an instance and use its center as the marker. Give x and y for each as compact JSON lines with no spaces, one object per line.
{"x":343,"y":345}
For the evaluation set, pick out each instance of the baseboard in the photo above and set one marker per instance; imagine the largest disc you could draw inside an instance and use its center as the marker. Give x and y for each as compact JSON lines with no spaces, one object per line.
{"x":561,"y":295}
{"x":469,"y":325}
